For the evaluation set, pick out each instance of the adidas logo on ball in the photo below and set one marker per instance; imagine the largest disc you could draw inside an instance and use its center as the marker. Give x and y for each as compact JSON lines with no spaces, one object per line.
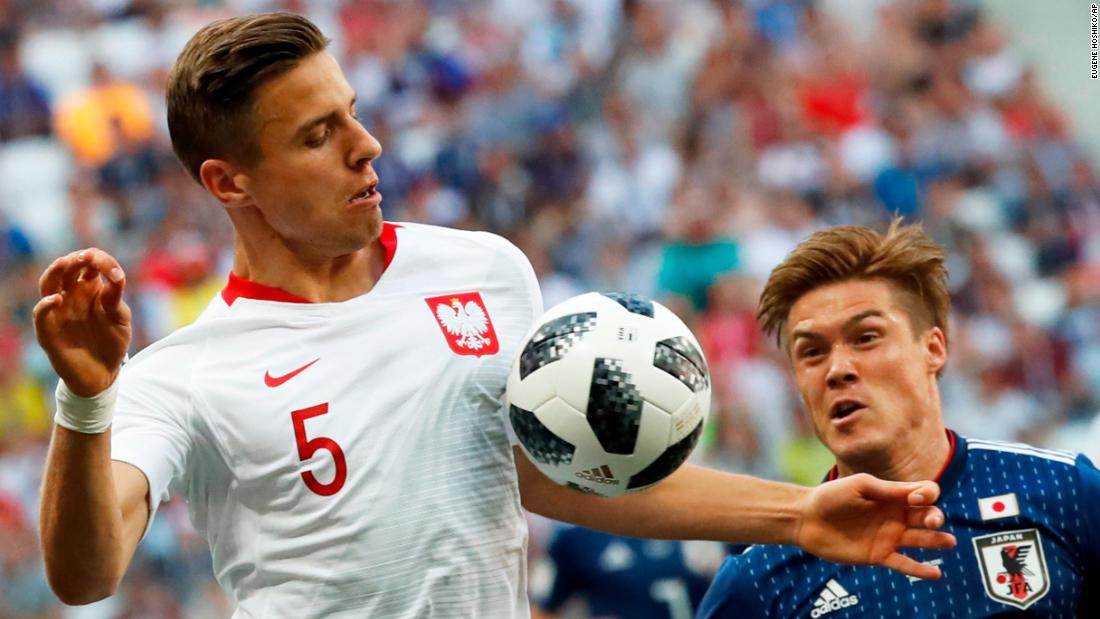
{"x":608,"y":377}
{"x":600,"y":475}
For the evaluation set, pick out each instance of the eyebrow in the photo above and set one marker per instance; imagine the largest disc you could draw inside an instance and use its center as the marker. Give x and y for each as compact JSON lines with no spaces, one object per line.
{"x":848,"y":324}
{"x":320,"y":120}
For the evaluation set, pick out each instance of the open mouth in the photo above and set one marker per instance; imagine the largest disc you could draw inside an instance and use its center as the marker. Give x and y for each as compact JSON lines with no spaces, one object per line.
{"x":844,"y":408}
{"x":365,"y":193}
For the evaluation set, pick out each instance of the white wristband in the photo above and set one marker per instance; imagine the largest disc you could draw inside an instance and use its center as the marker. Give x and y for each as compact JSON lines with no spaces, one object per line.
{"x":85,"y":415}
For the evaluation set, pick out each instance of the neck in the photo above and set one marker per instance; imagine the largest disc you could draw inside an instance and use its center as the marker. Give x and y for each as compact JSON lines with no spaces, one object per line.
{"x":919,"y":457}
{"x":314,"y":278}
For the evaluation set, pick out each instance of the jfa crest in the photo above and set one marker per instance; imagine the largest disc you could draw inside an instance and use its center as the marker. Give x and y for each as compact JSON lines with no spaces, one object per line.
{"x":1014,"y":570}
{"x":465,"y":323}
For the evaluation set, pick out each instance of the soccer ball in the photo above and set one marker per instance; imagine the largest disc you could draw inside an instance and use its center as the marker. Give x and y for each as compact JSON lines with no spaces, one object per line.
{"x":609,"y":393}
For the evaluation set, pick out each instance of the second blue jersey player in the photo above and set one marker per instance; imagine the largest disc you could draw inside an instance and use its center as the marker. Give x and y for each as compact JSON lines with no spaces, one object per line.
{"x":624,"y":577}
{"x":863,"y":319}
{"x":1028,"y":525}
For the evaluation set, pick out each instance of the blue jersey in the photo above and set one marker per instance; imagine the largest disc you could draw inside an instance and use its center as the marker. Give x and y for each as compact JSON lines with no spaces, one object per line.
{"x":623,"y":577}
{"x":1028,"y":527}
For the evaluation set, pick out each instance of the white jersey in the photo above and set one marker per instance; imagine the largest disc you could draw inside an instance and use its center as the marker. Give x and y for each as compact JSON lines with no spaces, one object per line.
{"x":349,"y":459}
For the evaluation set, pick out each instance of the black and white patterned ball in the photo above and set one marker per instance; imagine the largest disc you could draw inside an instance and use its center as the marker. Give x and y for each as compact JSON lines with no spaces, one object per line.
{"x":609,"y":393}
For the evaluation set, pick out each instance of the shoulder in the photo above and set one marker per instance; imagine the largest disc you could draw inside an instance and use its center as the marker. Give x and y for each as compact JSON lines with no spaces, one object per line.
{"x":157,"y":385}
{"x":474,"y":241}
{"x":1090,"y":475}
{"x":730,"y":593}
{"x":485,"y":256}
{"x":170,"y":363}
{"x":1033,"y":473}
{"x":1022,"y":453}
{"x":767,"y":560}
{"x":179,"y":349}
{"x":1089,"y":484}
{"x":748,"y":583}
{"x":1039,"y":476}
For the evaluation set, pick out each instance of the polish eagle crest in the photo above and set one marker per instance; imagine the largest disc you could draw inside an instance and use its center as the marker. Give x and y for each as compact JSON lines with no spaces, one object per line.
{"x":468,"y":323}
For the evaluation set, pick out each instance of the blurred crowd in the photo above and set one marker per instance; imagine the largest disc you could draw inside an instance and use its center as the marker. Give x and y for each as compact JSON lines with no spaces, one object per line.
{"x":676,"y":149}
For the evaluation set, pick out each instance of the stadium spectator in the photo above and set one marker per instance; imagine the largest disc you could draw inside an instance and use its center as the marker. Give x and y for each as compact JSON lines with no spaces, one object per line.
{"x":25,"y":409}
{"x":24,"y":593}
{"x":24,"y":104}
{"x":94,"y":121}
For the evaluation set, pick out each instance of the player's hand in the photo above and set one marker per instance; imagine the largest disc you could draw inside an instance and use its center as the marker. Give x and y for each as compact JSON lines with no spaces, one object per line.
{"x":81,"y":321}
{"x":861,"y":519}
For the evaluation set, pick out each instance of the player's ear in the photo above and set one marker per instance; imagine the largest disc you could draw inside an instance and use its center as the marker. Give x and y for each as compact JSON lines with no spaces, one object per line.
{"x":935,"y":349}
{"x":225,"y":182}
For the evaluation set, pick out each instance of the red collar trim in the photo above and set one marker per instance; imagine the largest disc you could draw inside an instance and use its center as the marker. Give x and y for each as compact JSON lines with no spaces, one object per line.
{"x":833,"y":472}
{"x":950,"y":456}
{"x":388,"y":238}
{"x":238,"y":287}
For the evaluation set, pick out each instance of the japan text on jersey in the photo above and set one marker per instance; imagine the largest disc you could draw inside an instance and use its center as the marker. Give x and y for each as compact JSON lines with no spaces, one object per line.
{"x":1027,"y":522}
{"x":1014,"y":570}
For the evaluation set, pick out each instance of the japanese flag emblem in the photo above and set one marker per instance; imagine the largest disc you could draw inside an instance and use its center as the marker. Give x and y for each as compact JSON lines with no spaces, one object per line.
{"x":1014,"y":570}
{"x":465,"y":323}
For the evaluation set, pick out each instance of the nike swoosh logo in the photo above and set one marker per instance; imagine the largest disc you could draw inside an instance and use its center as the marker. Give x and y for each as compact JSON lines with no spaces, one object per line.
{"x":275,"y":381}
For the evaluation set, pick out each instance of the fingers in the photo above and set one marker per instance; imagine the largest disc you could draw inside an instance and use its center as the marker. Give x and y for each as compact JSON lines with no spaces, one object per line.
{"x":915,"y":493}
{"x":927,"y":517}
{"x":63,"y":274}
{"x":926,"y":493}
{"x":910,"y":567}
{"x":111,"y":297}
{"x":86,"y":265}
{"x":51,"y":279}
{"x":42,"y":312}
{"x":927,"y":538}
{"x":102,"y":262}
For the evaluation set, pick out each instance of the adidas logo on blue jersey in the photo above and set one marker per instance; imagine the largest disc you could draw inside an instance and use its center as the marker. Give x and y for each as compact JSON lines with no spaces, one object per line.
{"x":832,"y":597}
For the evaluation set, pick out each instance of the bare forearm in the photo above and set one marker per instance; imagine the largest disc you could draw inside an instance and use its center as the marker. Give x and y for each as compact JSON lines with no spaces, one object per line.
{"x":692,"y":503}
{"x":81,"y":519}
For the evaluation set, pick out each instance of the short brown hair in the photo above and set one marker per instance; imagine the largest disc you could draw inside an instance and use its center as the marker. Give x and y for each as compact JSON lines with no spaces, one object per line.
{"x":905,"y":256}
{"x":211,"y":86}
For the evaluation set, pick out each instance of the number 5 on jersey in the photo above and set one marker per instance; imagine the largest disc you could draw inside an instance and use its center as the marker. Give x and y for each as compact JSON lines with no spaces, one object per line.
{"x":307,"y":447}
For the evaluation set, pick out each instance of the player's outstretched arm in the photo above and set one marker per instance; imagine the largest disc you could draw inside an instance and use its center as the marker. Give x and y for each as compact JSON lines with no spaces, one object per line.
{"x":863,"y":519}
{"x":858,"y":519}
{"x":92,"y":510}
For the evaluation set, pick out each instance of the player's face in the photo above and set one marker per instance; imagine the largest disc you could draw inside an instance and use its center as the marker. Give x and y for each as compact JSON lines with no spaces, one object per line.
{"x":314,"y":184}
{"x":868,"y":381}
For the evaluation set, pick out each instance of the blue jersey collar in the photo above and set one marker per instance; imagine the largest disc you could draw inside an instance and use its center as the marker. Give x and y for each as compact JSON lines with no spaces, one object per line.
{"x":952,"y":469}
